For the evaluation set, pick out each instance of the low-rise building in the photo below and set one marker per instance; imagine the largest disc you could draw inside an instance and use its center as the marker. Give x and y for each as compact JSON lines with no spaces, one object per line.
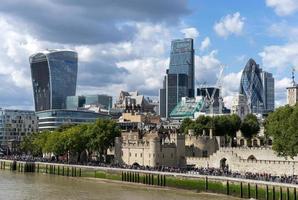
{"x":134,"y":102}
{"x":53,"y":119}
{"x":16,"y":124}
{"x":150,"y":149}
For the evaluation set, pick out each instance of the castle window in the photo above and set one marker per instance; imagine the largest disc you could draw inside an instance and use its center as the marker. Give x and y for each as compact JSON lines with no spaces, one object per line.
{"x":153,"y":155}
{"x":136,"y":155}
{"x":129,"y":154}
{"x":149,"y":155}
{"x":163,"y":155}
{"x":171,"y":155}
{"x":141,"y":155}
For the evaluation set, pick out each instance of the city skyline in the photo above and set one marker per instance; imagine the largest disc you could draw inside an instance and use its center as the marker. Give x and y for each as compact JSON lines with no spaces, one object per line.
{"x":131,"y":51}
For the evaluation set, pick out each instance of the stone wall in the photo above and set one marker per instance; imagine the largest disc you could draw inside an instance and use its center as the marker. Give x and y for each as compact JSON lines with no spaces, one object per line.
{"x":239,"y":160}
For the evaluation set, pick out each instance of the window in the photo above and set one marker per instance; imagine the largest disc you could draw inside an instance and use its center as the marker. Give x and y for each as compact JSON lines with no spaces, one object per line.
{"x":205,"y":153}
{"x":141,"y":155}
{"x":136,"y":155}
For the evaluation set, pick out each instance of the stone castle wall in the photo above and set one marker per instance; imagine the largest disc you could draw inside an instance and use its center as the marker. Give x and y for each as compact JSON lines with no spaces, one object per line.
{"x":238,"y":160}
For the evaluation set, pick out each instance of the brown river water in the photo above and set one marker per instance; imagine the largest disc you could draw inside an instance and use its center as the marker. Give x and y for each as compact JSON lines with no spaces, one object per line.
{"x":19,"y":186}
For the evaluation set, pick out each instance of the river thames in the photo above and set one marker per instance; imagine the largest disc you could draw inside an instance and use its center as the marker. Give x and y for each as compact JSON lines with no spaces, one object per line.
{"x":31,"y":186}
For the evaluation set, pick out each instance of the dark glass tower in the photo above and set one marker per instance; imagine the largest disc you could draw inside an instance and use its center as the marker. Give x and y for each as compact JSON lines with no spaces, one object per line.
{"x":54,"y":77}
{"x":177,"y":87}
{"x":182,"y":61}
{"x":179,"y":79}
{"x":251,"y":86}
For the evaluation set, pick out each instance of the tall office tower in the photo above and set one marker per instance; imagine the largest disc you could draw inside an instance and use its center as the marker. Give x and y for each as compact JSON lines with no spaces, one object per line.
{"x":54,"y":77}
{"x":268,"y":89}
{"x":163,"y":99}
{"x":182,"y":61}
{"x":251,"y":86}
{"x":177,"y":87}
{"x":179,"y":80}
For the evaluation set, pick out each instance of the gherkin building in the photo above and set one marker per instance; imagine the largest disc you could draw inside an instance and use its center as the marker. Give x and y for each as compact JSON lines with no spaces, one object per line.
{"x":251,"y":86}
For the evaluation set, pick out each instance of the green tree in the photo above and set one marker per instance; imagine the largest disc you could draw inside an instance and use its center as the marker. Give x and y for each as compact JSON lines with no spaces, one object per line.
{"x":250,"y":126}
{"x":186,"y":124}
{"x":235,"y":124}
{"x":56,"y":143}
{"x":282,"y":126}
{"x":102,"y":136}
{"x":203,"y":123}
{"x":76,"y":139}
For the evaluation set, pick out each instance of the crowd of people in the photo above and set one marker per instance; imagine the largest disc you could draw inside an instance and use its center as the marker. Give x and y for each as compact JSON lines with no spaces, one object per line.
{"x":207,"y":171}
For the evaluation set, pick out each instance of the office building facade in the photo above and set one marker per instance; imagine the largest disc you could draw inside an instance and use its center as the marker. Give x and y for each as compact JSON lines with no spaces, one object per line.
{"x":177,"y":87}
{"x":182,"y":61}
{"x":16,"y":124}
{"x":53,"y":119}
{"x":251,"y":87}
{"x":54,"y":77}
{"x":180,"y":77}
{"x":77,"y":102}
{"x":268,"y":90}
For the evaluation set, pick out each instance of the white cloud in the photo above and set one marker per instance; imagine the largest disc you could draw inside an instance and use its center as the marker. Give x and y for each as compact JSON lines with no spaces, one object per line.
{"x":191,"y":32}
{"x":206,"y":68}
{"x":280,"y":56}
{"x":205,"y":43}
{"x":278,"y":29}
{"x":230,"y":87}
{"x":230,"y":24}
{"x":281,"y":91}
{"x":283,"y":7}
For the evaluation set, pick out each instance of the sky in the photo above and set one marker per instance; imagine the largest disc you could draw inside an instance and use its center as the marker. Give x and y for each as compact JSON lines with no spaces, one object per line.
{"x":125,"y":45}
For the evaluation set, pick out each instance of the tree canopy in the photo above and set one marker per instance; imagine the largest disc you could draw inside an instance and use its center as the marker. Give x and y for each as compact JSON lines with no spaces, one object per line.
{"x":282,"y":126}
{"x":94,"y":137}
{"x":222,"y":125}
{"x":250,"y":126}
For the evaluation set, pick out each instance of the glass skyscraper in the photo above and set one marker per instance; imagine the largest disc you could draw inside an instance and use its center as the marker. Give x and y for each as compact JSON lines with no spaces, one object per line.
{"x":182,"y":61}
{"x":54,"y":77}
{"x":179,"y":80}
{"x":177,"y":87}
{"x":268,"y":89}
{"x":101,"y":100}
{"x":251,"y":86}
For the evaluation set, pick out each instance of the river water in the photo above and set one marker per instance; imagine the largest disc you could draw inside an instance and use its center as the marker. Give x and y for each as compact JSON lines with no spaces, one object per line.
{"x":18,"y":186}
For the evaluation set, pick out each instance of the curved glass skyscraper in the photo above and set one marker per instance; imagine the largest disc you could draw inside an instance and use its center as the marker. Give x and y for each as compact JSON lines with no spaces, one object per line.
{"x":251,"y":86}
{"x":54,"y":77}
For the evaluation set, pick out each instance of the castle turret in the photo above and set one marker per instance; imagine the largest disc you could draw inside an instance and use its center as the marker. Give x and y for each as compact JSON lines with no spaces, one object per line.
{"x":179,"y":140}
{"x":154,"y":143}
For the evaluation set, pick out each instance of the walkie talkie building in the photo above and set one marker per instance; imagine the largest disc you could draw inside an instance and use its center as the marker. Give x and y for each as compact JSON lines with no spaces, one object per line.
{"x":54,"y":77}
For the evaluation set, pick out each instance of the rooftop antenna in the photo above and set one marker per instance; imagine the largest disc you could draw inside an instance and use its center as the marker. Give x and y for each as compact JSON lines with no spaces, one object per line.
{"x":293,"y":76}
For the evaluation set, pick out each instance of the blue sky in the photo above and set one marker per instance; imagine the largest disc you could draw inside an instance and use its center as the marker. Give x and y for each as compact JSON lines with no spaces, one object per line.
{"x":125,"y":45}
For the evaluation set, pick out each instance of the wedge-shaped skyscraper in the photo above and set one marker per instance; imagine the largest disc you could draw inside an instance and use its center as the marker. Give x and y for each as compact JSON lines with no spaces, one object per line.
{"x":54,"y":77}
